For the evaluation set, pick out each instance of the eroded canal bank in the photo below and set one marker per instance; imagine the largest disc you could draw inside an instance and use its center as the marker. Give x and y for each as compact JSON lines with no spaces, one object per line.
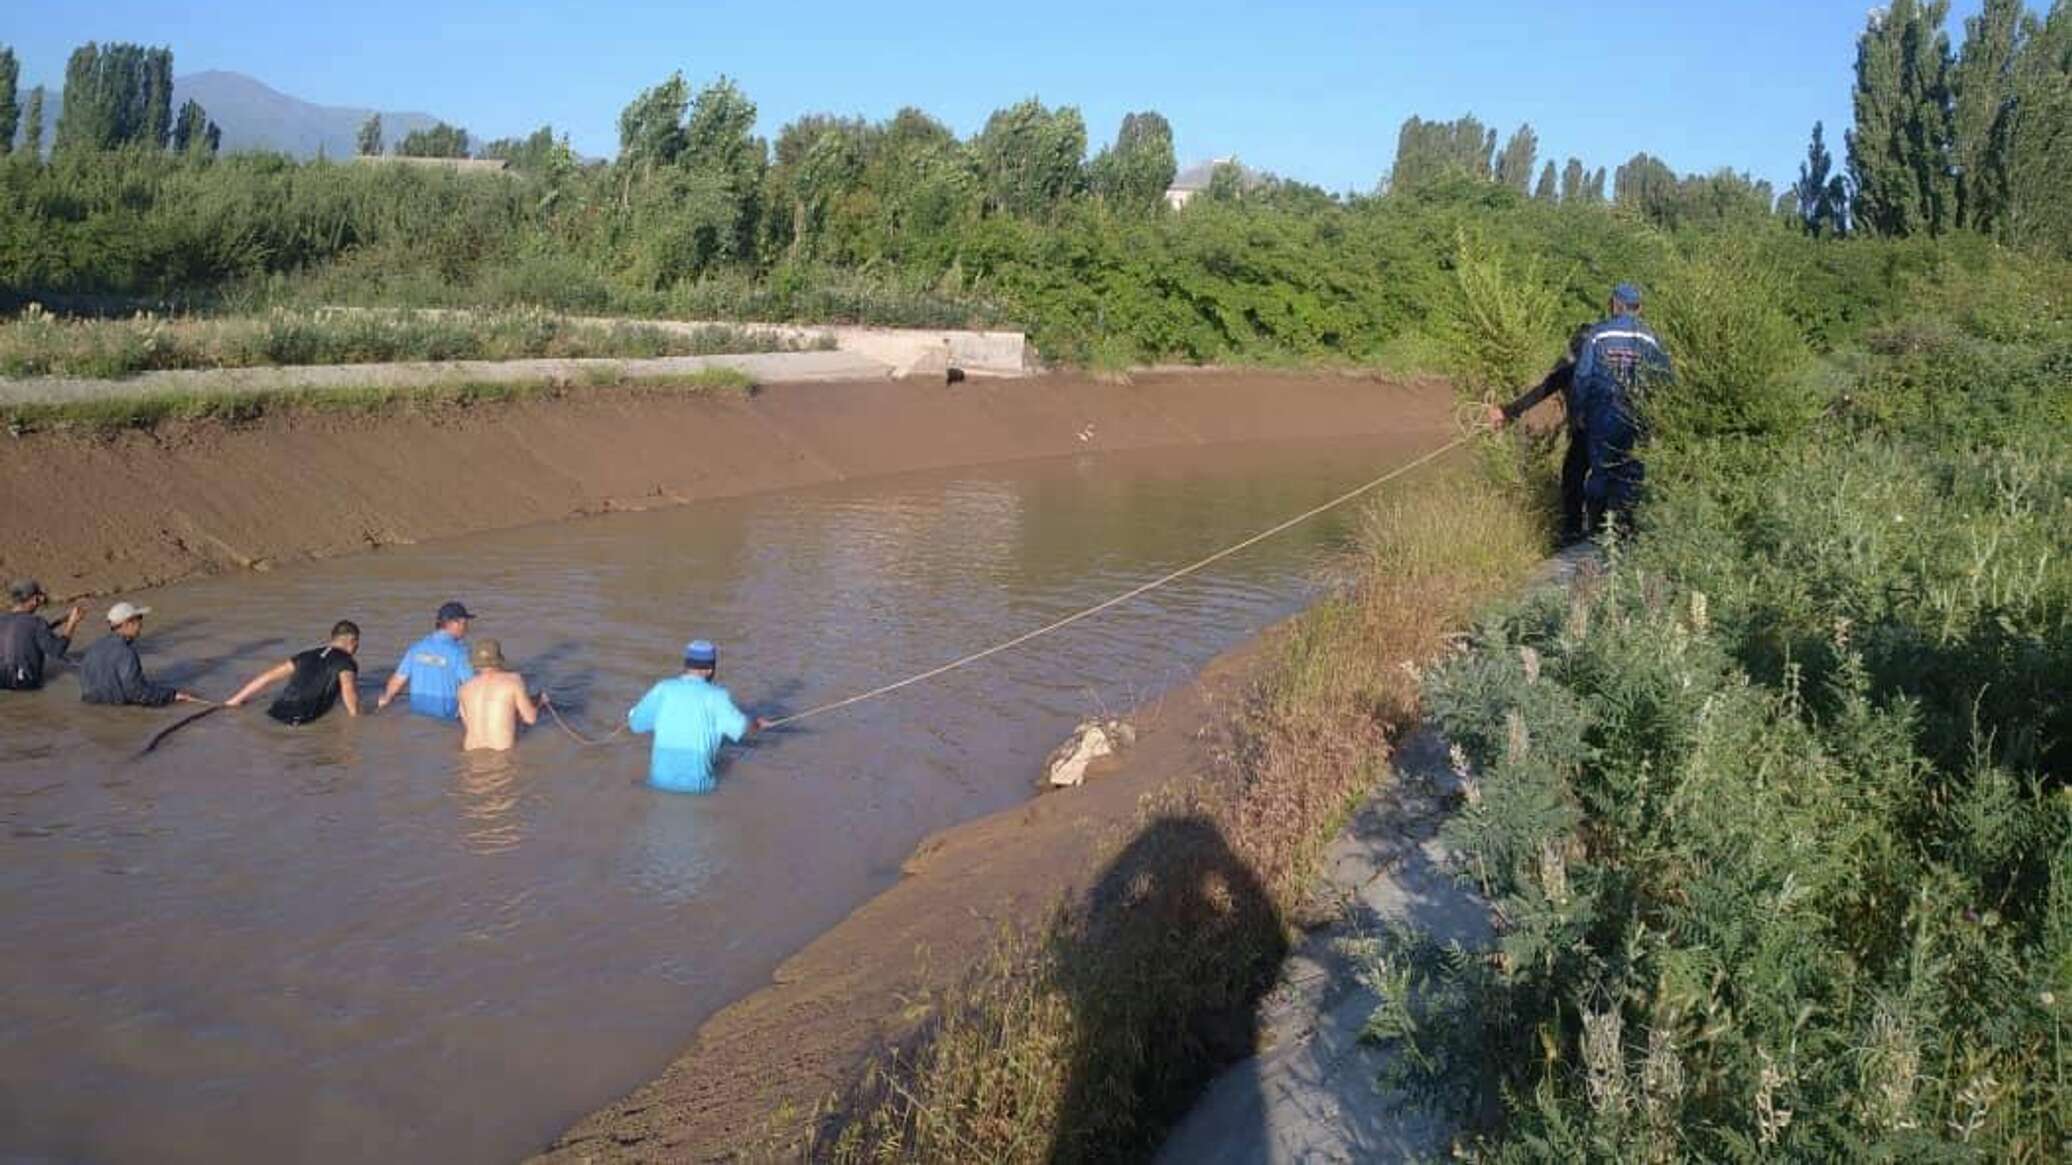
{"x":91,"y":514}
{"x":346,"y":943}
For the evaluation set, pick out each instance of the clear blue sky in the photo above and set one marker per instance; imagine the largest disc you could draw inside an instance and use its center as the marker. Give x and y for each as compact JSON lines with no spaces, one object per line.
{"x":1309,"y":90}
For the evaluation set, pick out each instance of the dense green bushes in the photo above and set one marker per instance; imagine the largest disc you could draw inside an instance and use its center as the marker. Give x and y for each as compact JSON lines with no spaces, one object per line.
{"x":1774,"y":813}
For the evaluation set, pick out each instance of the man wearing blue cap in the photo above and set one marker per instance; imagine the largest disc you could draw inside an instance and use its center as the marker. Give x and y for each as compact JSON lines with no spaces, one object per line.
{"x":435,"y":667}
{"x":1605,"y":373}
{"x":1617,"y":363}
{"x":691,"y":716}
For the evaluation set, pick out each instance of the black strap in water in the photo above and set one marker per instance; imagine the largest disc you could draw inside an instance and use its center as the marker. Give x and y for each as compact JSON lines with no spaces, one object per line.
{"x":177,"y":725}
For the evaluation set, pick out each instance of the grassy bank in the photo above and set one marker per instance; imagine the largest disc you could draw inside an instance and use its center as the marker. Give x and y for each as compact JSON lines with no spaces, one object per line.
{"x":1084,"y":1040}
{"x":1775,"y":816}
{"x":106,"y":415}
{"x":38,"y":343}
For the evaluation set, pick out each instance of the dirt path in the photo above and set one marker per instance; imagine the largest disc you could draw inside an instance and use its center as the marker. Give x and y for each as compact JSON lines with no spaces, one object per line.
{"x":1314,"y":1093}
{"x":93,"y":515}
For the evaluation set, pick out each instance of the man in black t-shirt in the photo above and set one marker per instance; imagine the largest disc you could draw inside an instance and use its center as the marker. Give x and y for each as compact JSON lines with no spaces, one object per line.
{"x":317,"y":678}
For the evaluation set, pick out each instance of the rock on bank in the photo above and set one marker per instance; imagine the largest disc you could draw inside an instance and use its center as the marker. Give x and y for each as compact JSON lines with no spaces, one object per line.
{"x":95,"y":514}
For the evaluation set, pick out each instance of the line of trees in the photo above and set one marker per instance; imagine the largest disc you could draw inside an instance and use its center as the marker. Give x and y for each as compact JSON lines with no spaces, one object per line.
{"x":117,"y":96}
{"x":1977,"y":138}
{"x":1430,"y":154}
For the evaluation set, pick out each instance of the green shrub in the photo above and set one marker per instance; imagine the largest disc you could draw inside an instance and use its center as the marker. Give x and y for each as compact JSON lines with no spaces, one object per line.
{"x":1722,"y":313}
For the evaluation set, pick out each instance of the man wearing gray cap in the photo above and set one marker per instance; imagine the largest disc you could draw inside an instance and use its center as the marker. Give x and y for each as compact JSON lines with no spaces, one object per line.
{"x":111,"y":673}
{"x":27,"y":640}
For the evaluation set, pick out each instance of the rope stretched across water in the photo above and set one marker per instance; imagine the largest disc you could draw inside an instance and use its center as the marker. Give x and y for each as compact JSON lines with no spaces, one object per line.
{"x":607,"y":738}
{"x":1133,"y":592}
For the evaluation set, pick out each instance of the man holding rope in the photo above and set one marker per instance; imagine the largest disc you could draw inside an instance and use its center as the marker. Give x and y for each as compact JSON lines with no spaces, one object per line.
{"x":317,"y":679}
{"x":494,"y":701}
{"x":111,"y":673}
{"x":691,"y":716}
{"x":27,"y":641}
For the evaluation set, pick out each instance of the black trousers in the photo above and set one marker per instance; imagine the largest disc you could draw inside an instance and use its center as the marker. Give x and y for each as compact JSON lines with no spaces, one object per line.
{"x":1575,"y":467}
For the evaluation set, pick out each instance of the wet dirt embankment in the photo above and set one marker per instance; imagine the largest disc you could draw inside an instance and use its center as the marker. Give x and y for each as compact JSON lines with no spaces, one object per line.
{"x":99,"y":514}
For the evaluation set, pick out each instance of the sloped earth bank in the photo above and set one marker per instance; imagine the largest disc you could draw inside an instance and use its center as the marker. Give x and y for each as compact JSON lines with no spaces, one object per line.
{"x":98,"y":514}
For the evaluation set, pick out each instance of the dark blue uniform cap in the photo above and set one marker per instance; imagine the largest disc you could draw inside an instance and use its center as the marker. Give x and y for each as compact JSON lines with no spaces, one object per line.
{"x":700,"y":653}
{"x":1627,"y":294}
{"x":450,"y":611}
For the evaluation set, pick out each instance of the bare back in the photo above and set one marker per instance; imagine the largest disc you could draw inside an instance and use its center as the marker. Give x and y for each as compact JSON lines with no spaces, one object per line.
{"x":491,"y":705}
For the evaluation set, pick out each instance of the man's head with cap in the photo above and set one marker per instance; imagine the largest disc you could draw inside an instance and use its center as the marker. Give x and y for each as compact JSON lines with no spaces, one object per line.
{"x":700,"y":655}
{"x":488,"y":655}
{"x":25,"y":592}
{"x":1626,"y":298}
{"x":127,"y":618}
{"x":452,"y":612}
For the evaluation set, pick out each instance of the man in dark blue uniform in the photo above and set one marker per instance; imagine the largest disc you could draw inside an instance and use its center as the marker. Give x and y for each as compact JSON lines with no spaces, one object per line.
{"x":1617,"y":363}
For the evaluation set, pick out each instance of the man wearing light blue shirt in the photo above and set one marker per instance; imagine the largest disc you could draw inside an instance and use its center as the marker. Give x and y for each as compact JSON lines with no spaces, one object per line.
{"x":691,"y":717}
{"x":435,"y":667}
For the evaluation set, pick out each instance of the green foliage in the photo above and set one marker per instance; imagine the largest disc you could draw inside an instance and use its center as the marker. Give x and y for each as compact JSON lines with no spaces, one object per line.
{"x":1721,"y":311}
{"x":1431,"y":151}
{"x":1773,"y":813}
{"x":10,"y":108}
{"x":115,"y":96}
{"x":1029,"y":159}
{"x":1899,"y":152}
{"x":1135,"y":172}
{"x":2039,"y":151}
{"x":1820,"y":198}
{"x":440,"y":141}
{"x":1501,"y":320}
{"x":1514,"y":164}
{"x":369,"y":141}
{"x":32,"y":131}
{"x":1982,"y":95}
{"x":194,"y":134}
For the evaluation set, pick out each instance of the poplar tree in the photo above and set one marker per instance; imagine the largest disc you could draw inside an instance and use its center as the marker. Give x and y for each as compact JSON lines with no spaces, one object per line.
{"x":32,"y":133}
{"x":1137,"y":169}
{"x":1514,"y":165}
{"x":1899,"y":152}
{"x":1593,"y":190}
{"x":2039,"y":155}
{"x":369,"y":142}
{"x":1820,"y":197}
{"x":194,"y":135}
{"x":1030,"y":158}
{"x":10,"y":110}
{"x":1572,"y":180}
{"x":1982,"y":91}
{"x":1547,"y":191}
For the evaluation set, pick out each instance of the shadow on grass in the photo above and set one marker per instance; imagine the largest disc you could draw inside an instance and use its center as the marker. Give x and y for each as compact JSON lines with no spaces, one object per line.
{"x":1163,"y":968}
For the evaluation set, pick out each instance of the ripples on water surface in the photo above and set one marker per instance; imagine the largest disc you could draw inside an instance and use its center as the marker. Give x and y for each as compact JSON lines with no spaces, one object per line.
{"x":349,"y":942}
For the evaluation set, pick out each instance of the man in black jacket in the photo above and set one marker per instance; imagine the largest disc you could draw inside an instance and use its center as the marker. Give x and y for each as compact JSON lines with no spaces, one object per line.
{"x":27,"y":640}
{"x":111,"y":673}
{"x":1575,"y":463}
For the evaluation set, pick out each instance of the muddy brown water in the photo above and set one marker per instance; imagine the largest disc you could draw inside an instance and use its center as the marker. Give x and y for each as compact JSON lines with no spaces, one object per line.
{"x":348,"y":942}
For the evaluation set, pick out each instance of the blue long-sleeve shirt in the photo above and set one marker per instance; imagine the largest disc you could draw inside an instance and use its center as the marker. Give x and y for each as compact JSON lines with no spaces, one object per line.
{"x":690,"y":717}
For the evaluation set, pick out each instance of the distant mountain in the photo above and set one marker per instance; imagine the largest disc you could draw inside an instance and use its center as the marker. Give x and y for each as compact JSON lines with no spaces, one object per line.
{"x":255,"y":116}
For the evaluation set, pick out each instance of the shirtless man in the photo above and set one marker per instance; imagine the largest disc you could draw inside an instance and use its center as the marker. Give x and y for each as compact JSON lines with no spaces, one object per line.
{"x":492,"y":704}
